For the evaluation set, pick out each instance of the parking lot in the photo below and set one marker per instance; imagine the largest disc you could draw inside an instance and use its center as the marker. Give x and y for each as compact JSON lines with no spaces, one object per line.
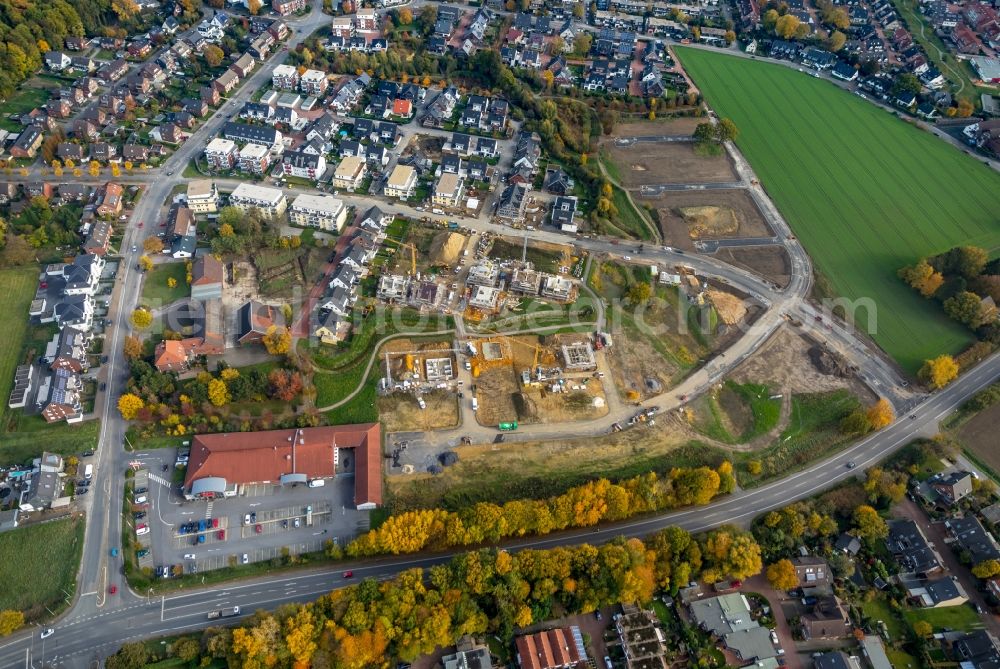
{"x":261,"y":522}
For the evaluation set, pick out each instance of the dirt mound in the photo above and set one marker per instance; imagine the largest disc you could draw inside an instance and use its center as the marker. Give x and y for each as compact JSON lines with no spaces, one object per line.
{"x":709,"y":221}
{"x":828,"y":363}
{"x":526,"y":408}
{"x":729,"y":307}
{"x":446,"y":247}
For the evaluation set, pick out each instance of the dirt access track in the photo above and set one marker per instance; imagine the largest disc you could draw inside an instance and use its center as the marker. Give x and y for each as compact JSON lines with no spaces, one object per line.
{"x":677,"y":231}
{"x":655,"y":163}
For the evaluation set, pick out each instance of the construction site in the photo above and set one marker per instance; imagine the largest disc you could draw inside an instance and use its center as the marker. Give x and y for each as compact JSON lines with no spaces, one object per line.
{"x":418,"y":386}
{"x":534,"y":379}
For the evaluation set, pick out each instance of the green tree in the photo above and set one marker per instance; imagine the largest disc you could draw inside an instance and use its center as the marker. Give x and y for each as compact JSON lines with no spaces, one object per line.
{"x":923,"y":629}
{"x":966,"y":308}
{"x":726,"y":130}
{"x":132,"y":655}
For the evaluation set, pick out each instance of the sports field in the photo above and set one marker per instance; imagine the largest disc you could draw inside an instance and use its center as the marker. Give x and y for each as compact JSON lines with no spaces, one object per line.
{"x":865,"y":192}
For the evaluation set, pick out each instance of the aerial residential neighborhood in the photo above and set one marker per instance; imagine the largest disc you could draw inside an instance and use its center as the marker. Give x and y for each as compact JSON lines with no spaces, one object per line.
{"x":538,"y":334}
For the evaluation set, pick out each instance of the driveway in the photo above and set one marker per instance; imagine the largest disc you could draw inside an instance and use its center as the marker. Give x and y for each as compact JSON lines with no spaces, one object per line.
{"x":936,"y":533}
{"x":759,"y":584}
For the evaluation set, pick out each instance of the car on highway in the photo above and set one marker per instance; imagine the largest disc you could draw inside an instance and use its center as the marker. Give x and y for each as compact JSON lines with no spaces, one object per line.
{"x":626,"y":258}
{"x":134,"y":248}
{"x":113,"y":590}
{"x":348,"y":574}
{"x":851,"y":464}
{"x":46,"y":633}
{"x":189,"y":556}
{"x":170,"y":173}
{"x":114,"y":552}
{"x":258,"y":528}
{"x":245,"y":559}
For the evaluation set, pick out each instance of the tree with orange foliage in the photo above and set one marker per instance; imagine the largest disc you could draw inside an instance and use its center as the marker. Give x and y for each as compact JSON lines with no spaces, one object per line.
{"x":880,"y":414}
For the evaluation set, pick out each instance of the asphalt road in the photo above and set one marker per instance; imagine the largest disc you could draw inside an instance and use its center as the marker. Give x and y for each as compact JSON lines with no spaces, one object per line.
{"x":85,"y":635}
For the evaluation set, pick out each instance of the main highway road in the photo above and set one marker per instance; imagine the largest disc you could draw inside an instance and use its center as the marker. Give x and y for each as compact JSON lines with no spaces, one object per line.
{"x":86,"y":635}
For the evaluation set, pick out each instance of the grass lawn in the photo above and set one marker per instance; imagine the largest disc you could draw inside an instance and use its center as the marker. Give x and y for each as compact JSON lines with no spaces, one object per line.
{"x":18,"y":291}
{"x":866,"y":193}
{"x":33,"y":435}
{"x":25,"y":100}
{"x":960,"y":617}
{"x":629,"y":219}
{"x":32,"y":585}
{"x":156,"y":292}
{"x":878,"y":609}
{"x":812,"y":433}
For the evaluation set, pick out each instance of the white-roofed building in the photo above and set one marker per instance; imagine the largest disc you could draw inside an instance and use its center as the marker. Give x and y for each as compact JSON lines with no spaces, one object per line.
{"x":319,"y":211}
{"x":269,"y":201}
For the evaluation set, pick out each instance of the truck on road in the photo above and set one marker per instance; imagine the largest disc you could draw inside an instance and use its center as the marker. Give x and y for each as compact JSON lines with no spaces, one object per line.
{"x":224,"y":613}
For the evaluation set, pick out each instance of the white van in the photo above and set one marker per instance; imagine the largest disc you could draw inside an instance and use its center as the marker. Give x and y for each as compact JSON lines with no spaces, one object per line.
{"x":317,"y":483}
{"x":88,"y":472}
{"x":141,"y":499}
{"x":475,"y":404}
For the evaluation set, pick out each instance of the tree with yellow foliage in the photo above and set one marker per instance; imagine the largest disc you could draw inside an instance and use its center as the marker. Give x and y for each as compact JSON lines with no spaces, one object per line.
{"x":277,"y":340}
{"x":229,"y":373}
{"x":10,"y":621}
{"x":129,"y":405}
{"x":128,"y":165}
{"x":142,"y":318}
{"x":145,"y":263}
{"x":781,"y":575}
{"x":132,"y":348}
{"x":939,"y":372}
{"x":94,"y":168}
{"x":218,"y":392}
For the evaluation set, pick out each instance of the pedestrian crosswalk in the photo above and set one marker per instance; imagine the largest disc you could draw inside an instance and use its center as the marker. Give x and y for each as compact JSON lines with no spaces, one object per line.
{"x":159,"y":479}
{"x":208,"y":509}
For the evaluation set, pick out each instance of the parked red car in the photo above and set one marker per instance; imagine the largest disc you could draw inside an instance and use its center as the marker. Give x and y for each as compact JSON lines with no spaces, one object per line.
{"x":215,"y":523}
{"x":258,"y":528}
{"x":222,"y":535}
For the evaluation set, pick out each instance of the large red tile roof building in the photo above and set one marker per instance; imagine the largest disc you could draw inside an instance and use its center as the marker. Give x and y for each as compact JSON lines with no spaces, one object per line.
{"x":561,"y":648}
{"x":220,"y":461}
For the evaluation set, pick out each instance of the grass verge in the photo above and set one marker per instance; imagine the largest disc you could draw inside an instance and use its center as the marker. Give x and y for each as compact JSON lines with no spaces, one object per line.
{"x":40,"y":564}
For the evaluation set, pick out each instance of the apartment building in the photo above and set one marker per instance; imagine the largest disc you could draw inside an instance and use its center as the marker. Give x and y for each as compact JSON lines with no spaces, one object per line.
{"x":350,"y":173}
{"x":401,"y":182}
{"x":285,"y":77}
{"x":255,"y":158}
{"x":221,"y":154}
{"x":270,"y":201}
{"x":202,"y":196}
{"x":313,"y":82}
{"x":319,"y":211}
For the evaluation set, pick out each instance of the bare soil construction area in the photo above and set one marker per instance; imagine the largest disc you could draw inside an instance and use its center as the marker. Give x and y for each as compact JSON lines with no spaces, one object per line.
{"x":667,"y":163}
{"x":400,"y":412}
{"x":785,"y":365}
{"x":770,"y":262}
{"x":673,"y":126}
{"x":679,"y":225}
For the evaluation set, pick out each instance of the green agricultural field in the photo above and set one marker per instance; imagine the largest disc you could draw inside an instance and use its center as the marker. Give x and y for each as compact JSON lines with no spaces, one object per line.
{"x":18,"y":291}
{"x":46,"y":580}
{"x":865,"y":192}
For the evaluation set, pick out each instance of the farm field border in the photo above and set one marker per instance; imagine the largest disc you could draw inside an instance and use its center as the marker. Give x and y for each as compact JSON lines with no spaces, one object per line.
{"x":865,"y":192}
